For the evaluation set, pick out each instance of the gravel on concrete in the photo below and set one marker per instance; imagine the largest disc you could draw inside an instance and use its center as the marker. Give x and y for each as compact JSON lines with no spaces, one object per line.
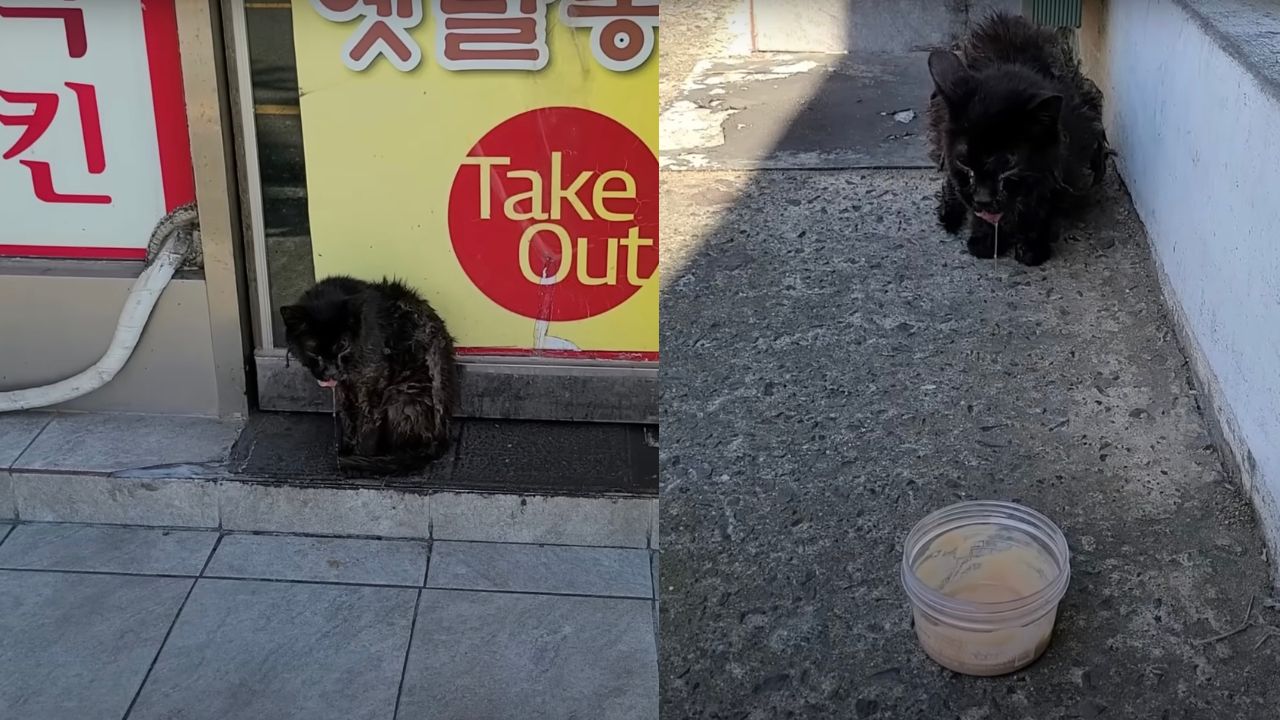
{"x":691,"y":30}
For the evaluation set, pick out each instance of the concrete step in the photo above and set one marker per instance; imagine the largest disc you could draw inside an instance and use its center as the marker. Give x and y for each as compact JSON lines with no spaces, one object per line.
{"x":555,"y":483}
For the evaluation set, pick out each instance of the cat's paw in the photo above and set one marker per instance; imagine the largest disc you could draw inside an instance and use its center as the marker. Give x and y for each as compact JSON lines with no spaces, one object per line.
{"x":981,"y":245}
{"x":951,"y":215}
{"x":1031,"y":254}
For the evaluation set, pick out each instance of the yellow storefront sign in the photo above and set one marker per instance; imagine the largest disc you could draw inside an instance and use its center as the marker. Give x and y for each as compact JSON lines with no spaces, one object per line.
{"x":498,"y":155}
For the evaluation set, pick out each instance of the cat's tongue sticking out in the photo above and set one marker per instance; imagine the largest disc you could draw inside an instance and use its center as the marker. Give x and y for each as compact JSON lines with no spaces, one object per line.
{"x":993,"y":218}
{"x":328,"y":383}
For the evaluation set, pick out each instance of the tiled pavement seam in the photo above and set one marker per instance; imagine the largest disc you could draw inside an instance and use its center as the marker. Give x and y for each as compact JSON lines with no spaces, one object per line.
{"x":338,"y":536}
{"x":656,"y":584}
{"x":413,"y":628}
{"x":10,"y":458}
{"x":204,"y":573}
{"x":169,"y":631}
{"x":422,"y":584}
{"x":328,"y":583}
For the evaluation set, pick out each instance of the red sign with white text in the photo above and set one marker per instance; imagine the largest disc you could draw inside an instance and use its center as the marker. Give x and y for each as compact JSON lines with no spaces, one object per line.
{"x":554,"y":214}
{"x":93,"y":132}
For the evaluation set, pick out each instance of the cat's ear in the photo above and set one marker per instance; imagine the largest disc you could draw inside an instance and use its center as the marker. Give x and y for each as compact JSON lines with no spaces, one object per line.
{"x":295,"y":316}
{"x":1046,"y":109}
{"x":950,"y":76}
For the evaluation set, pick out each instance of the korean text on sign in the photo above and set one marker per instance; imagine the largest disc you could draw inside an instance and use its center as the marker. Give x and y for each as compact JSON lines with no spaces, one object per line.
{"x":492,"y":34}
{"x":39,"y":109}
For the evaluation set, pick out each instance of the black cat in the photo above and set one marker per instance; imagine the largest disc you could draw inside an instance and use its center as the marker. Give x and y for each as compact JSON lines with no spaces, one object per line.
{"x":391,"y":361}
{"x":1017,"y":130}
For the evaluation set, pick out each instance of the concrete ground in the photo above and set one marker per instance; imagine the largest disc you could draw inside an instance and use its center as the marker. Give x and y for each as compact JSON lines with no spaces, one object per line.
{"x":835,"y":367}
{"x":101,"y":622}
{"x":691,"y":30}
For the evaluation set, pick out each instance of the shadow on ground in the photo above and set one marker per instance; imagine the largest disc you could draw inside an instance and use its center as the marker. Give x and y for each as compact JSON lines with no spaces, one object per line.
{"x":835,"y":367}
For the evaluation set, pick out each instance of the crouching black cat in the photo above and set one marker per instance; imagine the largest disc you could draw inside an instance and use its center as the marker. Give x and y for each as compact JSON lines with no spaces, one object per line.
{"x":390,"y":359}
{"x":1017,"y":130}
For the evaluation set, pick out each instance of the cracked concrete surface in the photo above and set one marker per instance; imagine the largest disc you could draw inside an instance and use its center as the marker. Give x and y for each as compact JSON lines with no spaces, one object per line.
{"x":799,"y":111}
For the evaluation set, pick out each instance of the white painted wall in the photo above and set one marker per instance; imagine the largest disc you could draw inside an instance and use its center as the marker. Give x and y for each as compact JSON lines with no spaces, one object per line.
{"x":841,"y":26}
{"x":1199,"y":144}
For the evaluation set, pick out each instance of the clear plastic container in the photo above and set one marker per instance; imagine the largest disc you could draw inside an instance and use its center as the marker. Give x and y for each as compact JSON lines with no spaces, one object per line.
{"x":985,"y":579}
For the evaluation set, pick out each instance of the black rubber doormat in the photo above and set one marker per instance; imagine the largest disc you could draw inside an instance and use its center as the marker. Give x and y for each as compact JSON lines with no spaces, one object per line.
{"x":553,"y":458}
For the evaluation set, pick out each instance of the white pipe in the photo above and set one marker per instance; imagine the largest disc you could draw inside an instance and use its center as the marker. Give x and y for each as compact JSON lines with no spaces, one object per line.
{"x":133,"y":318}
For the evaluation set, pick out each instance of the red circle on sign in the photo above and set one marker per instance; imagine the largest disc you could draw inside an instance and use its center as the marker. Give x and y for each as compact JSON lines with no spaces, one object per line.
{"x":554,"y":214}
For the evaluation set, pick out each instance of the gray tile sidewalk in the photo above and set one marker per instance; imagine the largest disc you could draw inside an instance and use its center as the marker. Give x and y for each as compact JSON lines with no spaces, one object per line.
{"x":97,"y":548}
{"x":339,"y":560}
{"x":113,"y":442}
{"x":575,"y":657}
{"x":142,"y":623}
{"x":77,"y":645}
{"x":253,"y":649}
{"x":17,"y":432}
{"x":8,"y":503}
{"x":619,"y":572}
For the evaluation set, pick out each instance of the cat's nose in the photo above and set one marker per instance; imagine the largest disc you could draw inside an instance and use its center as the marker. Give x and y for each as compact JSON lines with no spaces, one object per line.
{"x":983,"y":196}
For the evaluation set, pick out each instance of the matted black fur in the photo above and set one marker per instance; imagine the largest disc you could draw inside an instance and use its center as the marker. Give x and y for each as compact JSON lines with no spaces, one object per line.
{"x":1017,"y":130}
{"x":392,"y":360}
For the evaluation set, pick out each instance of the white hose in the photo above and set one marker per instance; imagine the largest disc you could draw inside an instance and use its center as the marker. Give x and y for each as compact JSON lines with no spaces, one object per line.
{"x":133,"y":318}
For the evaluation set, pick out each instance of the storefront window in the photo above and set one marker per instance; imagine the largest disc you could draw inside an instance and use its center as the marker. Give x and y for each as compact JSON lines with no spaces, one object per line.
{"x":498,"y":158}
{"x":281,"y":167}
